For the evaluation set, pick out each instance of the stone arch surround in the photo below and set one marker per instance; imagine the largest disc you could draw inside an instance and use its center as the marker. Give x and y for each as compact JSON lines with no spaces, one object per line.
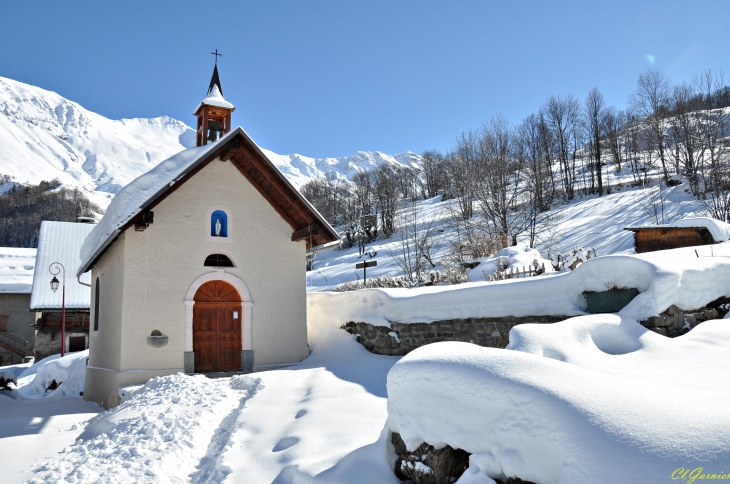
{"x":246,"y":303}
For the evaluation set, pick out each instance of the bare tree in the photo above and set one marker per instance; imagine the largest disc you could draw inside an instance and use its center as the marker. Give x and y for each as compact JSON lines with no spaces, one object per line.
{"x":615,"y":121}
{"x":650,"y":101}
{"x":497,"y":185}
{"x":595,"y":114}
{"x":562,"y":115}
{"x":434,"y":172}
{"x":417,"y":238}
{"x":461,"y":168}
{"x":684,"y":135}
{"x":386,"y":195}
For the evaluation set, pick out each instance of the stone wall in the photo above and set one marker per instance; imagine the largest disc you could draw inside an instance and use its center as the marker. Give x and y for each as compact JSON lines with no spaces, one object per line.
{"x":18,"y":322}
{"x":48,"y":342}
{"x":674,"y":322}
{"x":402,"y":338}
{"x":429,"y":465}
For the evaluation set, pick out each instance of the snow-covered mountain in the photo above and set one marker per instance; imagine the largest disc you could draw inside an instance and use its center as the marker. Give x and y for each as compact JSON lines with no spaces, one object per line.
{"x":44,"y":135}
{"x":301,"y":169}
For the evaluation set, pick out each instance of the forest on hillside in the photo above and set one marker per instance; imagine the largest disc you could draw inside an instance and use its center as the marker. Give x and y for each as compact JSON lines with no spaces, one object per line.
{"x":505,"y":178}
{"x":23,"y":207}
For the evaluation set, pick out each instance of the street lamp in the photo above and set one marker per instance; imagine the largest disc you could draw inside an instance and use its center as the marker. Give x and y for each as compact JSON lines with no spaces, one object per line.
{"x":54,"y":287}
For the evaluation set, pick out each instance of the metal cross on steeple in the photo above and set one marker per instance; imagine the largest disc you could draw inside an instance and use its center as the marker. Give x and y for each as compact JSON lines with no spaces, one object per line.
{"x":216,"y":54}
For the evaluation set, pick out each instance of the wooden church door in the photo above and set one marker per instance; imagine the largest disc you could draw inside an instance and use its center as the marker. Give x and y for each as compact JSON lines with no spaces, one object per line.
{"x":217,"y":317}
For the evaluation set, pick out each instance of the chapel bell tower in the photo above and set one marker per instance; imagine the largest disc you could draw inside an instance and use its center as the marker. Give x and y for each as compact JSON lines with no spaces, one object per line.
{"x":213,"y":112}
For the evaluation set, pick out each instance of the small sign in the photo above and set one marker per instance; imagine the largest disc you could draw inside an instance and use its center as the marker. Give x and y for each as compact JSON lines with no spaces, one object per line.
{"x":235,"y":314}
{"x":363,"y":265}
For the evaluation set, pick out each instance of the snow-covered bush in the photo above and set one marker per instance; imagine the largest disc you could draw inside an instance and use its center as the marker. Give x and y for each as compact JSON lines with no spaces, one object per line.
{"x":57,"y":376}
{"x":6,"y":379}
{"x":448,"y":275}
{"x":570,"y":260}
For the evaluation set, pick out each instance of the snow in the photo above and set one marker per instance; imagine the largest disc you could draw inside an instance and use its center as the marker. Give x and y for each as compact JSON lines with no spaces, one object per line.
{"x":38,"y":429}
{"x":159,"y":434}
{"x":215,"y":98}
{"x":688,"y":282}
{"x":301,"y":169}
{"x":128,"y":202}
{"x":322,"y":421}
{"x":591,"y":399}
{"x":720,"y":230}
{"x":58,"y":138}
{"x":16,"y":270}
{"x":8,"y":377}
{"x":60,"y":242}
{"x":519,"y":257}
{"x":68,"y":372}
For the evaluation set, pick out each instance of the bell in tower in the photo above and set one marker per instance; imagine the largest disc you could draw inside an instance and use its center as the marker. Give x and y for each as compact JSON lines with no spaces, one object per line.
{"x":213,"y":112}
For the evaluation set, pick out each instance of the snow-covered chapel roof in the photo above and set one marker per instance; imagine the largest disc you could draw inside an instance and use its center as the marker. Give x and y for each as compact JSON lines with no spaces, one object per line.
{"x":60,"y":242}
{"x":144,"y":192}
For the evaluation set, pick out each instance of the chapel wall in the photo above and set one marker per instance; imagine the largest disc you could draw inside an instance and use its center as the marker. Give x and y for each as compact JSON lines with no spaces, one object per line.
{"x":164,"y":260}
{"x":105,"y":344}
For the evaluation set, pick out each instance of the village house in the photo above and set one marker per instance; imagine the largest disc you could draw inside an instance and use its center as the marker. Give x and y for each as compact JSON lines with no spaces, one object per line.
{"x":60,"y":243}
{"x":199,"y":265}
{"x":16,"y":321}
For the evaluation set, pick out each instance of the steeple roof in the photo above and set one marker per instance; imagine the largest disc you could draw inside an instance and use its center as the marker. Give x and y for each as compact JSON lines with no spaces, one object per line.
{"x":215,"y":94}
{"x":215,"y":81}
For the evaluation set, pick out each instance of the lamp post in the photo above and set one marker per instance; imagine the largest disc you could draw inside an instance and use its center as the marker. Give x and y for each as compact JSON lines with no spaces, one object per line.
{"x":54,"y":287}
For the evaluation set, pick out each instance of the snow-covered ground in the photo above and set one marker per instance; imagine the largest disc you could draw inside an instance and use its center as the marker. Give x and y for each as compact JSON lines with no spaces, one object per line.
{"x":320,"y":421}
{"x":567,"y":402}
{"x":596,"y":399}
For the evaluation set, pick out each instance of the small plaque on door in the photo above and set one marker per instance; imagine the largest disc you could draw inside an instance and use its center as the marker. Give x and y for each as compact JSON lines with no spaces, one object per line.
{"x":235,"y":314}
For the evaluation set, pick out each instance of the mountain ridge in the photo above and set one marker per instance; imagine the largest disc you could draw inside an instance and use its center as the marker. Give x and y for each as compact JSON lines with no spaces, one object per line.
{"x":44,"y":136}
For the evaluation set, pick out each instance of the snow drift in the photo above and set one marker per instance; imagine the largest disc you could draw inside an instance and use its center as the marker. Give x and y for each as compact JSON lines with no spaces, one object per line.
{"x":593,"y":399}
{"x":689,"y":283}
{"x":68,"y":372}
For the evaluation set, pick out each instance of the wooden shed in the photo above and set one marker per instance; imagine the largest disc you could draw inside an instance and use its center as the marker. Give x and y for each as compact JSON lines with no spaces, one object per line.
{"x":663,"y":237}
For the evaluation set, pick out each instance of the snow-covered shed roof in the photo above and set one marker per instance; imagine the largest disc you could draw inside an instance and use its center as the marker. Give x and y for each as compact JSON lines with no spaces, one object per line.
{"x":147,"y":190}
{"x":16,"y":270}
{"x":60,"y":242}
{"x":719,"y":230}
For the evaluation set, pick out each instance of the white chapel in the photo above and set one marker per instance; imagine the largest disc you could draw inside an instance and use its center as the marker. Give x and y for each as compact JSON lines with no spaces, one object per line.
{"x":199,"y":264}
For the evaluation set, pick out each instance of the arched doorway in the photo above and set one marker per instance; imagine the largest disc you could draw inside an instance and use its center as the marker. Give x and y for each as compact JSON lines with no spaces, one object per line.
{"x":217,"y":316}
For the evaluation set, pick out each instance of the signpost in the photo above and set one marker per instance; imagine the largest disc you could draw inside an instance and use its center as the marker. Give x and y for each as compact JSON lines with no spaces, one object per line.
{"x":364,"y":266}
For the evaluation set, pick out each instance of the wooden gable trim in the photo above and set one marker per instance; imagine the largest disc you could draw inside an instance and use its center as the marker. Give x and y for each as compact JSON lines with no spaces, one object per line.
{"x":268,"y":183}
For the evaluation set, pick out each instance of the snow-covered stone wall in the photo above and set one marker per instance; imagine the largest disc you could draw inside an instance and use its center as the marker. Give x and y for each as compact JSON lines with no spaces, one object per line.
{"x":402,"y":338}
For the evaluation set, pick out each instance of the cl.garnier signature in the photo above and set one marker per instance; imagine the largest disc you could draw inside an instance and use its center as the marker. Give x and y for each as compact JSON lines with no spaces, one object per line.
{"x":698,"y":473}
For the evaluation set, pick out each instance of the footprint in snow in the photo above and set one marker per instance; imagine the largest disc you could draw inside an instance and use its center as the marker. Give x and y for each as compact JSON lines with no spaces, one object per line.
{"x":301,"y":413}
{"x":285,"y":443}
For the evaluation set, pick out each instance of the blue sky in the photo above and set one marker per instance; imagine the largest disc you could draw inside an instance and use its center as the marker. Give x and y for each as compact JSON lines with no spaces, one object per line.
{"x":326,"y":78}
